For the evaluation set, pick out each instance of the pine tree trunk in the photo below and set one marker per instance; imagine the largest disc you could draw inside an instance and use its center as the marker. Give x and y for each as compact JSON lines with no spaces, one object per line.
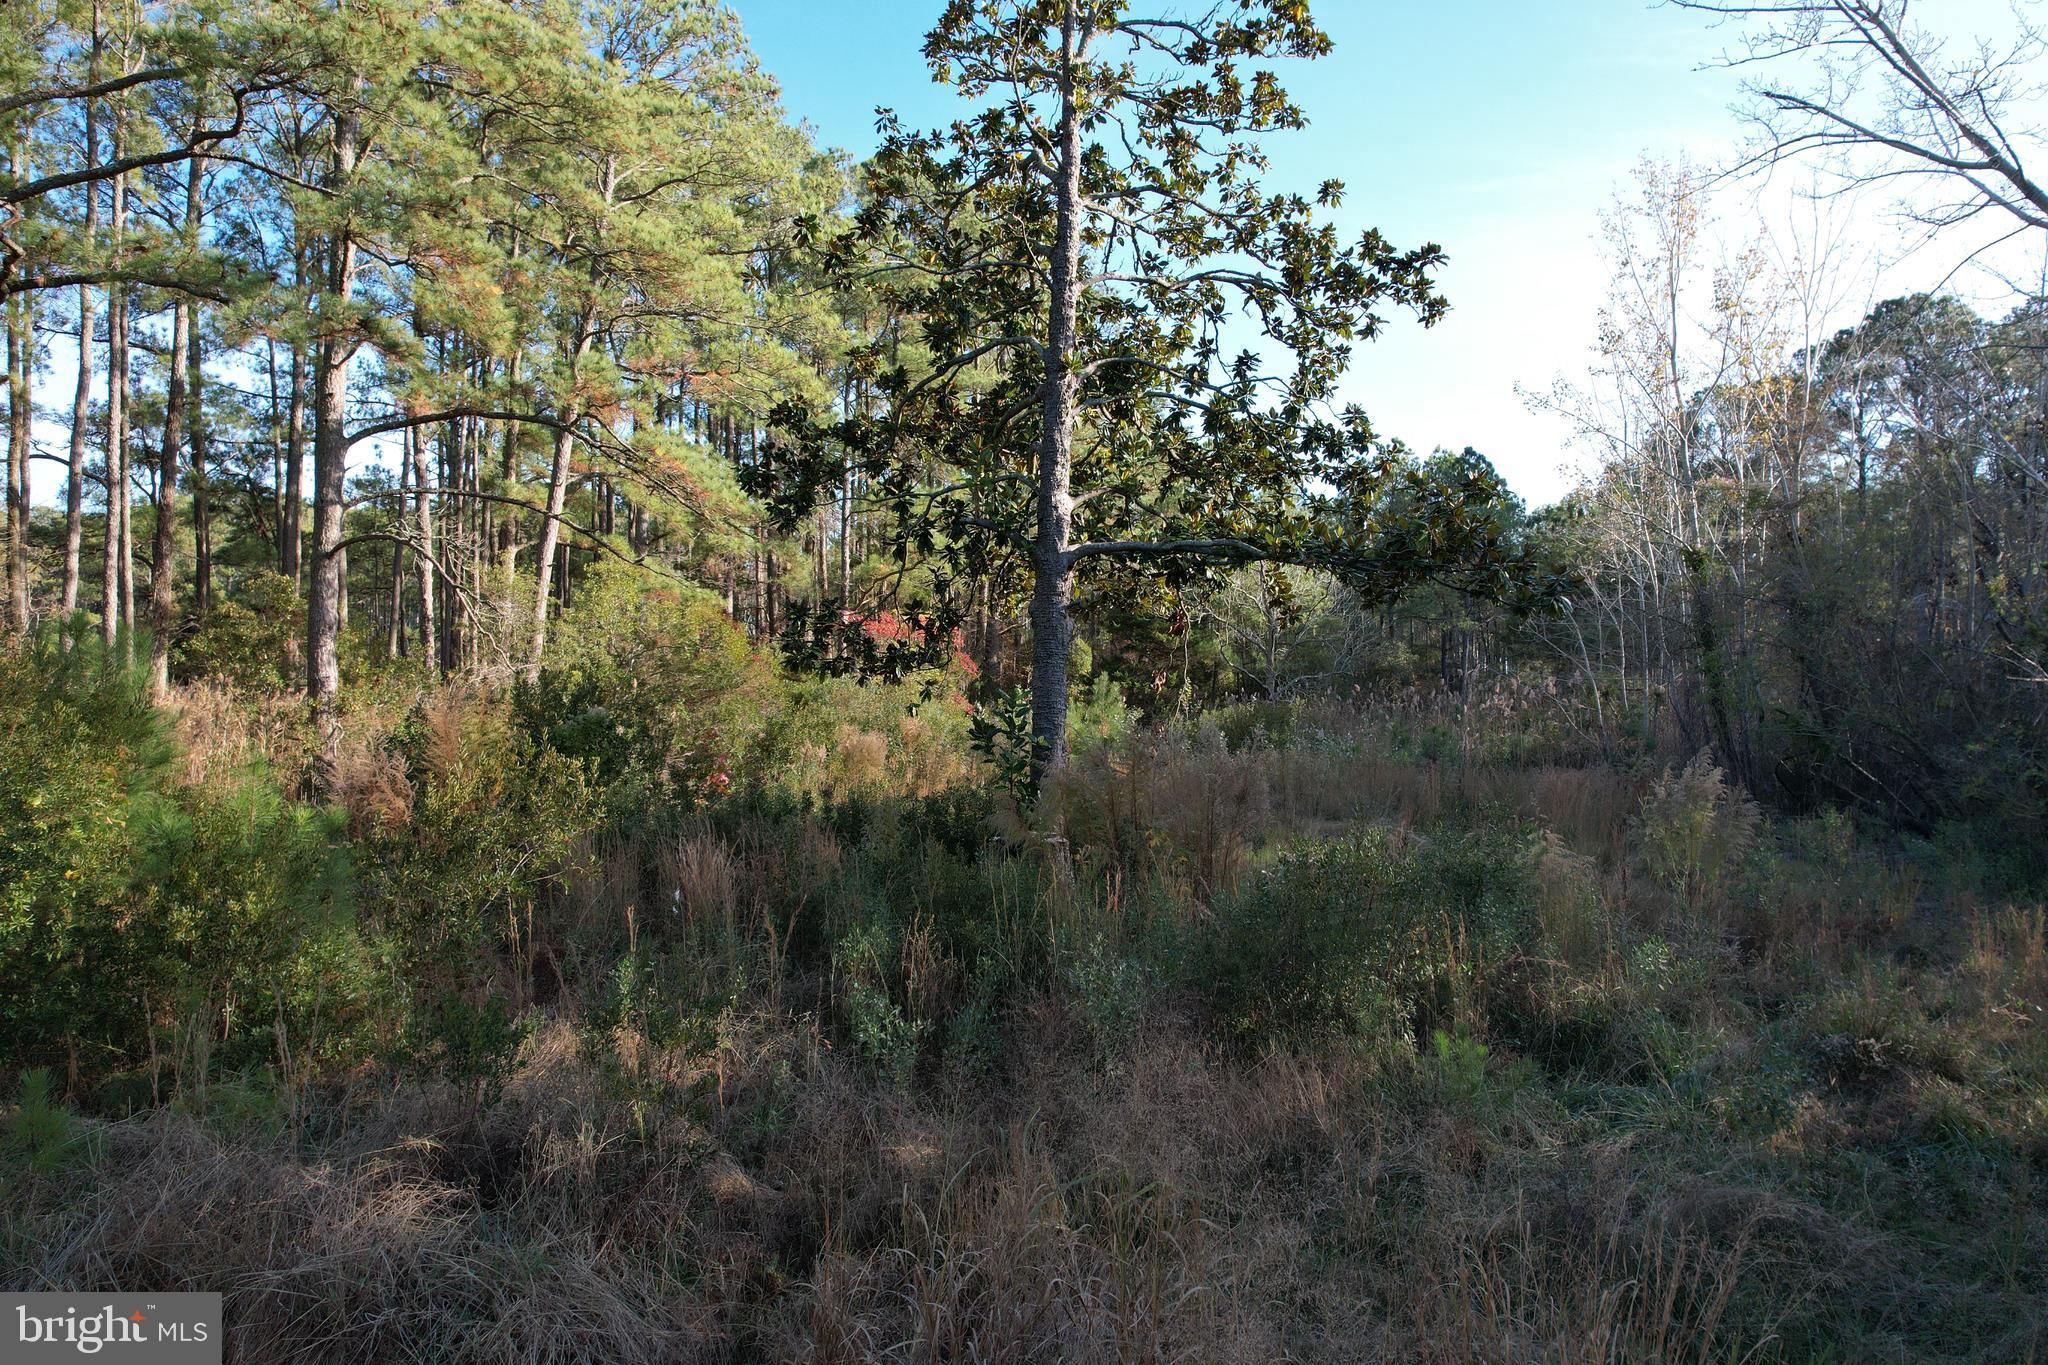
{"x":117,"y":419}
{"x":423,"y":527}
{"x":568,"y":413}
{"x":558,"y":494}
{"x":276,"y":459}
{"x":81,"y":418}
{"x":20,"y":356}
{"x":448,"y":460}
{"x":195,"y":419}
{"x":202,"y":504}
{"x":163,"y":604}
{"x":330,"y":486}
{"x":550,"y":535}
{"x":81,"y":401}
{"x":290,"y":534}
{"x":394,"y":615}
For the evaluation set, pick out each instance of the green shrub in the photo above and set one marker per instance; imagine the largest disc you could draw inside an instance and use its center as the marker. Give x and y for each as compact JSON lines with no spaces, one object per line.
{"x":1110,"y":989}
{"x":1000,"y":732}
{"x":866,"y":965}
{"x":1460,"y":1064}
{"x":495,"y":819}
{"x":663,"y":998}
{"x":250,"y":637}
{"x":1260,"y":724}
{"x":147,"y":917}
{"x":1367,"y":935}
{"x":248,"y":899}
{"x":43,"y":1134}
{"x":654,"y":689}
{"x":1099,"y":716}
{"x":473,"y":1043}
{"x":82,"y":758}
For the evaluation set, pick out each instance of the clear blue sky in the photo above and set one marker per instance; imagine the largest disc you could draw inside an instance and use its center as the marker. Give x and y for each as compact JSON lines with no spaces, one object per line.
{"x":1497,"y":128}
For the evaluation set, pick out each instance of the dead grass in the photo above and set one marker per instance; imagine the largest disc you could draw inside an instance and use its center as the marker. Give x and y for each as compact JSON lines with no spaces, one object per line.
{"x":1189,"y":1208}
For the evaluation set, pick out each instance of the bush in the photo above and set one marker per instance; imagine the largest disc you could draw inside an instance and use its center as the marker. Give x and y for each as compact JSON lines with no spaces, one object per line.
{"x":1694,"y":829}
{"x":82,"y":757}
{"x":43,"y":1134}
{"x":496,"y":818}
{"x":248,"y":899}
{"x":1259,"y":724}
{"x":250,"y":639}
{"x":654,"y":689}
{"x":142,"y":915}
{"x":1371,"y":936}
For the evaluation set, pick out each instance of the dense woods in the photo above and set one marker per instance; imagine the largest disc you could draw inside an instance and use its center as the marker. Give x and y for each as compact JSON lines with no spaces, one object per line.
{"x":625,"y":737}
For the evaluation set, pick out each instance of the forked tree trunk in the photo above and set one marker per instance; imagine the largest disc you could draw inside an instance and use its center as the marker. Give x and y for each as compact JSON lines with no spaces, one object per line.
{"x":550,"y":536}
{"x":558,"y":495}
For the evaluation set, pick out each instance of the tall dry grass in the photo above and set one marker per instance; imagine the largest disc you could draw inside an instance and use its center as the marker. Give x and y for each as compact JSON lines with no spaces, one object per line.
{"x":1187,"y":1208}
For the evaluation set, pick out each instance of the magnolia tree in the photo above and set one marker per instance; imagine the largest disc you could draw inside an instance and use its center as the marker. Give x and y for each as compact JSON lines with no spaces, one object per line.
{"x":1097,"y":287}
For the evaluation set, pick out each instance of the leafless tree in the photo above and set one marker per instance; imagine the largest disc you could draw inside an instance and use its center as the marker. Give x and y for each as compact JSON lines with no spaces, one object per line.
{"x":1887,"y":99}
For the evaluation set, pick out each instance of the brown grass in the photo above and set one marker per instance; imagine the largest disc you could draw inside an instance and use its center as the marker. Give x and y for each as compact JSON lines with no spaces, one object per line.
{"x":1188,"y":1208}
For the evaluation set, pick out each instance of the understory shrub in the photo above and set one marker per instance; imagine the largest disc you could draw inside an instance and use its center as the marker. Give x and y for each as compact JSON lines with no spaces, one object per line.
{"x":147,"y":916}
{"x":1377,"y":935}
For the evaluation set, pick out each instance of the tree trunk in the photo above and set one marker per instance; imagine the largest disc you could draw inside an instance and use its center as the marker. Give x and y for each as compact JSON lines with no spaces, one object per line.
{"x":448,"y":458}
{"x":1052,"y":587}
{"x":854,"y":395}
{"x":290,"y":538}
{"x":20,"y":356}
{"x":195,"y":419}
{"x":117,"y":419}
{"x":423,"y":523}
{"x":507,"y":551}
{"x":81,"y":401}
{"x":163,"y":604}
{"x":81,"y":418}
{"x":394,"y":616}
{"x":276,"y":460}
{"x":558,"y":489}
{"x":202,"y":504}
{"x":569,"y":412}
{"x":550,"y":535}
{"x":330,"y":481}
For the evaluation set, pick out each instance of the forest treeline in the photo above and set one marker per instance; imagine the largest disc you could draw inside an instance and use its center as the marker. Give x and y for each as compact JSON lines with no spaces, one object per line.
{"x":563,"y":273}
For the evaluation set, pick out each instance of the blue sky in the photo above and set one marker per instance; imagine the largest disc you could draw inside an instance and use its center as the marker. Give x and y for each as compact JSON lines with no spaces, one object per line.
{"x":1497,"y":128}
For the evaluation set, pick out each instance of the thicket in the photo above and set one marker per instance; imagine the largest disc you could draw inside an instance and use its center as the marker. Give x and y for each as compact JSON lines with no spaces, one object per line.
{"x":1271,"y":997}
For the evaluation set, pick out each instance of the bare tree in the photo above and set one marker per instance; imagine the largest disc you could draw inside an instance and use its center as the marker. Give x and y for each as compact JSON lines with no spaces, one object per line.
{"x":1889,"y":99}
